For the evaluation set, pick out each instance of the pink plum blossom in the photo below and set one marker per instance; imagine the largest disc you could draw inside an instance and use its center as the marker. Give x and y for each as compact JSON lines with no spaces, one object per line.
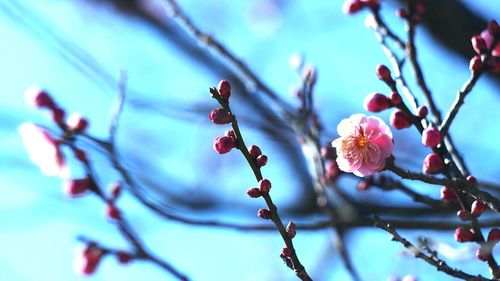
{"x":364,"y":144}
{"x":43,"y":149}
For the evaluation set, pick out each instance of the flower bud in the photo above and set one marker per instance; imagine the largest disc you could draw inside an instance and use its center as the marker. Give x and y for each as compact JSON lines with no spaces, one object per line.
{"x":223,"y":144}
{"x":224,"y":89}
{"x":77,"y":123}
{"x":220,"y":116}
{"x":472,"y":179}
{"x":264,"y":186}
{"x":112,"y":212}
{"x":422,"y":112}
{"x":254,"y":193}
{"x":124,"y":257}
{"x":254,"y":151}
{"x":376,"y":102}
{"x":447,"y":194}
{"x":115,"y":189}
{"x":384,"y":74}
{"x":261,"y":160}
{"x":431,"y":137}
{"x":484,"y":252}
{"x":352,"y":6}
{"x":478,"y":207}
{"x":57,"y":115}
{"x":476,"y":64}
{"x":493,"y":28}
{"x":76,"y":187}
{"x":39,"y":98}
{"x":494,"y":235}
{"x":264,"y":214}
{"x":478,"y":44}
{"x":433,"y":164}
{"x":464,"y":215}
{"x":402,"y":13}
{"x":286,"y":252}
{"x":395,"y":99}
{"x":87,"y":261}
{"x":399,"y":119}
{"x":291,"y":230}
{"x":463,"y":234}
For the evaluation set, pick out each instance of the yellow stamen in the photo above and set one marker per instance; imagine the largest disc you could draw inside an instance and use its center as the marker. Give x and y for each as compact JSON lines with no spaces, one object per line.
{"x":362,"y":141}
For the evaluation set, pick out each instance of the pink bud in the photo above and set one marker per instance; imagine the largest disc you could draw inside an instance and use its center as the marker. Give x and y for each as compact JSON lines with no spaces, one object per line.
{"x":433,"y":164}
{"x":115,"y":189}
{"x":352,"y":6}
{"x":447,"y":194}
{"x":494,"y":235}
{"x":223,"y":144}
{"x":76,"y":187}
{"x":224,"y":89}
{"x":261,"y":160}
{"x":395,"y":99}
{"x":463,"y":234}
{"x":422,"y":112}
{"x":124,"y":257}
{"x":291,"y":230}
{"x":384,"y":74}
{"x":472,"y":179}
{"x":112,"y":212}
{"x":376,"y":102}
{"x":478,"y":44}
{"x":39,"y":98}
{"x":476,"y":64}
{"x":328,"y":152}
{"x":286,"y":252}
{"x":264,"y":214}
{"x":254,"y":151}
{"x":87,"y":261}
{"x":58,"y":115}
{"x":220,"y":116}
{"x":493,"y":28}
{"x":254,"y":193}
{"x":478,"y":207}
{"x":264,"y":186}
{"x":399,"y":119}
{"x":484,"y":252}
{"x":431,"y":137}
{"x":464,"y":215}
{"x":77,"y":123}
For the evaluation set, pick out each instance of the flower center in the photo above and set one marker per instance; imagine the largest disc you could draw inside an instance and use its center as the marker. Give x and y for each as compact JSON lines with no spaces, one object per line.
{"x":362,"y":141}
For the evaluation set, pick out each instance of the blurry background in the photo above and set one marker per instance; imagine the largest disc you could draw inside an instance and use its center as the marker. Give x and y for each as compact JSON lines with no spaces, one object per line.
{"x":77,"y":49}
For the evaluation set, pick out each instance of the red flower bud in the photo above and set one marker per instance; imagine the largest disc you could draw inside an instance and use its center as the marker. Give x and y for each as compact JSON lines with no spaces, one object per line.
{"x":291,"y":230}
{"x":484,"y":252}
{"x":476,"y":64}
{"x":494,"y":235}
{"x":77,"y":123}
{"x":76,"y":187}
{"x":384,"y":74}
{"x":224,"y":89}
{"x":220,"y":116}
{"x":58,"y":115}
{"x":464,"y":215}
{"x":433,"y":164}
{"x":223,"y":144}
{"x":472,"y":179}
{"x":422,"y":112}
{"x":352,"y":6}
{"x":264,"y":214}
{"x":115,"y":189}
{"x":254,"y":193}
{"x":431,"y":137}
{"x":463,"y":234}
{"x":254,"y":151}
{"x":399,"y":119}
{"x":478,"y":207}
{"x":286,"y":252}
{"x":376,"y":102}
{"x":479,"y":44}
{"x":493,"y":28}
{"x":39,"y":98}
{"x":264,"y":186}
{"x":395,"y":99}
{"x":447,"y":194}
{"x":112,"y":212}
{"x":261,"y":160}
{"x":87,"y":261}
{"x":124,"y":257}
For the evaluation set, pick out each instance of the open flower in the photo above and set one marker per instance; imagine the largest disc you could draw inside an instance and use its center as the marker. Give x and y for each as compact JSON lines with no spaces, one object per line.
{"x":364,"y":144}
{"x":43,"y":149}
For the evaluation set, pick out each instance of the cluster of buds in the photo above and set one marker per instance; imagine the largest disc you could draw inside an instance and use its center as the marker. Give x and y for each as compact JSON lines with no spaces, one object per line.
{"x":256,"y":154}
{"x":485,"y":249}
{"x":416,"y":17}
{"x":482,"y":43}
{"x":353,"y":6}
{"x":329,"y":155}
{"x":225,"y":143}
{"x":221,"y":116}
{"x":477,"y":208}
